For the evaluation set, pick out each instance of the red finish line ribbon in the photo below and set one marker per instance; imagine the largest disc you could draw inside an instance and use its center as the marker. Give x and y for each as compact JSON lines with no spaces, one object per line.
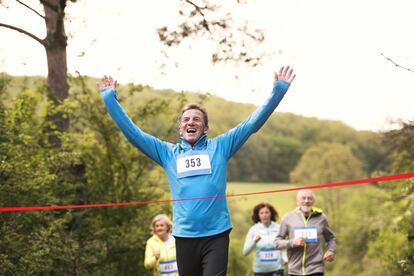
{"x":83,"y":206}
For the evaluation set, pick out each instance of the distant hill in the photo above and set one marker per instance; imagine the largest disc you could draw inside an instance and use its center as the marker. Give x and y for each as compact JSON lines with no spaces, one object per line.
{"x":269,"y":156}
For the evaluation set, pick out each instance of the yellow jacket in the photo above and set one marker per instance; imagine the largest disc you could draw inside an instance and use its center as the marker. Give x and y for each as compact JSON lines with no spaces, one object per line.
{"x":167,"y":254}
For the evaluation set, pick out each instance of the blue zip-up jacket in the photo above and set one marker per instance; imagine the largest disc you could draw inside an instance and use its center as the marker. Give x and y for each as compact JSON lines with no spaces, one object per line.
{"x":267,"y":237}
{"x":206,"y":217}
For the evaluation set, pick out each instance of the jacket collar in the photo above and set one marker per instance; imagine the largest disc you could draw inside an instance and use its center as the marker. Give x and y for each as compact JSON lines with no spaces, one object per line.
{"x":271,"y":225}
{"x":314,"y":211}
{"x":158,"y":240}
{"x":200,"y":144}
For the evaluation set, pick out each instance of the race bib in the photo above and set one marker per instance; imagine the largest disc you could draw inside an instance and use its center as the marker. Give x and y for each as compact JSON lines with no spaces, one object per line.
{"x":309,"y":233}
{"x":268,"y":255}
{"x":196,"y":163}
{"x":168,"y":267}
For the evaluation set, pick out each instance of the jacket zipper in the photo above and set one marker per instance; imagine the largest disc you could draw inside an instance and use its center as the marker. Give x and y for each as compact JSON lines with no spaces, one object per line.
{"x":304,"y":247}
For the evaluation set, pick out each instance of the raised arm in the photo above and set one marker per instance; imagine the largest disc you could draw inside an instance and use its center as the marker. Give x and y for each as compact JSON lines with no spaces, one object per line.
{"x":236,"y":137}
{"x":148,"y":144}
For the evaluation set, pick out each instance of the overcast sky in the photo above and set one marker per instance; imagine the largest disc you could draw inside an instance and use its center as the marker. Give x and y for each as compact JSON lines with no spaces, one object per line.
{"x":334,"y":46}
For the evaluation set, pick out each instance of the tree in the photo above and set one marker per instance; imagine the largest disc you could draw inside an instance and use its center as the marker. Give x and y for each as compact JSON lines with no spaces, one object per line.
{"x":395,"y":243}
{"x":327,"y":163}
{"x":101,"y":241}
{"x":55,"y":44}
{"x":378,"y":235}
{"x":24,"y":180}
{"x":234,"y":42}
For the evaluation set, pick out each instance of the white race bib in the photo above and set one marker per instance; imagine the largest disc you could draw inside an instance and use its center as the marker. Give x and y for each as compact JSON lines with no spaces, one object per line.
{"x":268,"y":255}
{"x":309,"y":233}
{"x":196,"y":163}
{"x":168,"y":267}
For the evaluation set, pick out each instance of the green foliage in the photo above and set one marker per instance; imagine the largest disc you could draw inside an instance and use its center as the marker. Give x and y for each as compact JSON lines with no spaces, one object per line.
{"x":368,"y":148}
{"x":326,"y":163}
{"x":362,"y":218}
{"x":373,"y":224}
{"x":96,"y":164}
{"x":394,"y":246}
{"x":25,"y":180}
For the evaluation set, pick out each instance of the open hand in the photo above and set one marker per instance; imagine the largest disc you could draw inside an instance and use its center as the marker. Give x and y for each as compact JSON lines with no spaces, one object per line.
{"x":285,"y":73}
{"x":106,"y":82}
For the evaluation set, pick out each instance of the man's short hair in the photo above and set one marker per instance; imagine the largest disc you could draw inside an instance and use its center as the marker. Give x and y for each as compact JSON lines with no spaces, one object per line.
{"x":197,"y":107}
{"x":306,"y":191}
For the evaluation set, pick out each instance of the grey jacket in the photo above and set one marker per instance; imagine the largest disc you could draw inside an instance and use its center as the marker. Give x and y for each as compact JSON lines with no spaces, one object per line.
{"x":309,"y":258}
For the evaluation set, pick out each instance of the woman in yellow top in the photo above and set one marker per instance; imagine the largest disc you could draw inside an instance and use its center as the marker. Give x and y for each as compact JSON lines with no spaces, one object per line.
{"x":160,"y":249}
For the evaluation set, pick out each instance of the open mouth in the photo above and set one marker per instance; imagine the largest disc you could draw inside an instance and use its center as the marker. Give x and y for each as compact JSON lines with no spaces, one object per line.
{"x":191,"y":130}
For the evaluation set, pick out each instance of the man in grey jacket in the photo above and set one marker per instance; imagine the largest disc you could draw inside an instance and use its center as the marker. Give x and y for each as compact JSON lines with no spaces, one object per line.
{"x":301,"y":233}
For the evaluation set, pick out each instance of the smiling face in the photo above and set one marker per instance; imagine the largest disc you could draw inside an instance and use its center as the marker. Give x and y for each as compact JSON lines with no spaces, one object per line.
{"x":305,"y":200}
{"x":161,"y":228}
{"x":192,"y":125}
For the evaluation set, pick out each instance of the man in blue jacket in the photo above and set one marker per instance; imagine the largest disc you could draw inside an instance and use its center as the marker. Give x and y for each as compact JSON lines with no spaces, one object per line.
{"x":196,"y":167}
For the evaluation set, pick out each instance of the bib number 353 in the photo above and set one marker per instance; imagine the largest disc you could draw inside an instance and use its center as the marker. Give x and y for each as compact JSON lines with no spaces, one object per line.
{"x":193,"y":164}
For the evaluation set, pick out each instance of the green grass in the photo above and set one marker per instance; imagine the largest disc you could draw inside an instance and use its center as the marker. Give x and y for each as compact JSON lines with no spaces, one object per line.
{"x":282,"y":201}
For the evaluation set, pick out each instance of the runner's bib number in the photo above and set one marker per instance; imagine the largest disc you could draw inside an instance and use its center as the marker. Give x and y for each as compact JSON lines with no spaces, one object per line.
{"x":268,"y":255}
{"x":196,"y":163}
{"x":309,"y":233}
{"x":168,"y":267}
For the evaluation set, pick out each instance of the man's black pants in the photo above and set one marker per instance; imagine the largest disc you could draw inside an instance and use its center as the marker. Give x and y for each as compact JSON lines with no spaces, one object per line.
{"x":206,"y":256}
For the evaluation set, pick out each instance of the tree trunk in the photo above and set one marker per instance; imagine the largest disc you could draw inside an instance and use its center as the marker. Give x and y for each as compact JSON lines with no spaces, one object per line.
{"x":57,"y":72}
{"x":55,"y":46}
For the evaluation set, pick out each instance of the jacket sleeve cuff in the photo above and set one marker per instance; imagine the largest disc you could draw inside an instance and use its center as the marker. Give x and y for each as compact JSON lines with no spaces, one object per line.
{"x":107,"y":92}
{"x":281,"y":87}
